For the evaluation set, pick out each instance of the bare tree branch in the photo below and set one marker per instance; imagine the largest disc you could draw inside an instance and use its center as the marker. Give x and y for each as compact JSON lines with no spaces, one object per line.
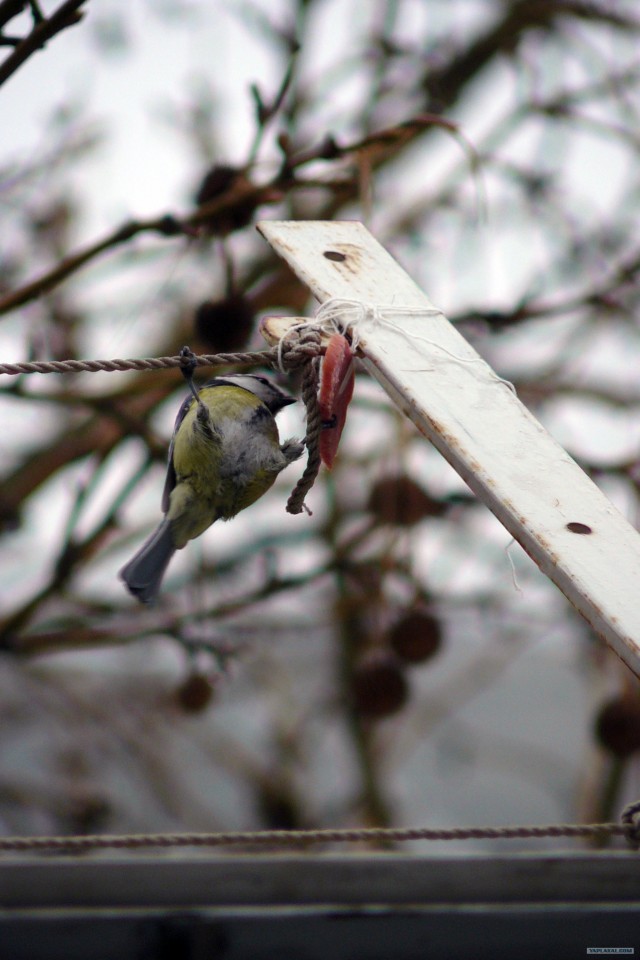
{"x":383,"y":145}
{"x":65,"y":16}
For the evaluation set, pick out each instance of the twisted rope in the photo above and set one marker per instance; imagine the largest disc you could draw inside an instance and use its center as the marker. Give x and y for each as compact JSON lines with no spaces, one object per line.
{"x":149,"y":363}
{"x":310,"y":339}
{"x":302,"y":838}
{"x":289,"y":355}
{"x":628,"y":827}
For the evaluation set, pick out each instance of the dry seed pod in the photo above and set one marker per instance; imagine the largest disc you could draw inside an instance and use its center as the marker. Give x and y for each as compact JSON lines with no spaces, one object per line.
{"x":399,"y":500}
{"x":617,"y":726}
{"x":225,"y":325}
{"x":194,"y":694}
{"x":219,"y":180}
{"x":416,"y":638}
{"x":379,"y":687}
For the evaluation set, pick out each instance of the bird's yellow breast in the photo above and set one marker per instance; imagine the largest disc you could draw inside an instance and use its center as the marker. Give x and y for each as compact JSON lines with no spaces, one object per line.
{"x":222,"y":464}
{"x":234,"y":415}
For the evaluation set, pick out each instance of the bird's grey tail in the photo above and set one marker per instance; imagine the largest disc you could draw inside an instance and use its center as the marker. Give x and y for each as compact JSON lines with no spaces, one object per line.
{"x":144,"y":572}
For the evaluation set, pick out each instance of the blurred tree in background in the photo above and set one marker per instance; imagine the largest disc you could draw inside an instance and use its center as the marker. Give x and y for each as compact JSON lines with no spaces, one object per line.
{"x":385,"y":660}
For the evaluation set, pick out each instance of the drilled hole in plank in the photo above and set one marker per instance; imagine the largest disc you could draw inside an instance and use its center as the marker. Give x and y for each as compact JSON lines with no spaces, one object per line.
{"x":576,"y":527}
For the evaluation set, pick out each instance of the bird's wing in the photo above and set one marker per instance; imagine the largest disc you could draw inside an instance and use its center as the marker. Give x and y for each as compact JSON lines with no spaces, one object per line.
{"x":170,"y":480}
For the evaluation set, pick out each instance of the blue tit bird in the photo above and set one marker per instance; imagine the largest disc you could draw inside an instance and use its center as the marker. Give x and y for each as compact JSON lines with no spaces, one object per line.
{"x":225,"y":453}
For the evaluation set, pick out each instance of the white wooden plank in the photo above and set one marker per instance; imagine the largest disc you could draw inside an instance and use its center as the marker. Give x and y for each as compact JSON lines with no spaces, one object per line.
{"x":504,"y":454}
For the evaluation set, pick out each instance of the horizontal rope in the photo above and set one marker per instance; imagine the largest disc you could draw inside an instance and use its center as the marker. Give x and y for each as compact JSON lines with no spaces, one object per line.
{"x":289,"y":353}
{"x":118,"y":366}
{"x":301,"y":838}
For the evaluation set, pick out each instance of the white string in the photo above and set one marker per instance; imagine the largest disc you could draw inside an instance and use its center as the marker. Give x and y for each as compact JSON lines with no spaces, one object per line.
{"x":342,"y":315}
{"x":514,"y":578}
{"x":333,"y":316}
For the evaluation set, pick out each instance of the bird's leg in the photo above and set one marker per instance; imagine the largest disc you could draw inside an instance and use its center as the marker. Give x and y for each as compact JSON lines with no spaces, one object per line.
{"x":292,"y":449}
{"x":188,"y":366}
